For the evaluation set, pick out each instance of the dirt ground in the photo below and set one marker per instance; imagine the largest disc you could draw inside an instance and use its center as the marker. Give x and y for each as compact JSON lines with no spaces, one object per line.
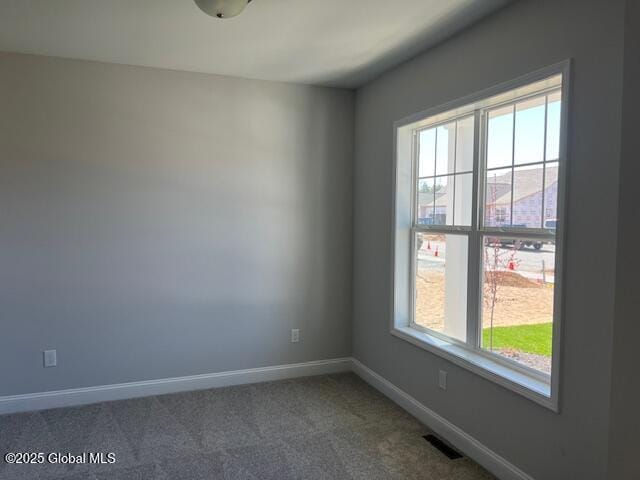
{"x":520,"y":301}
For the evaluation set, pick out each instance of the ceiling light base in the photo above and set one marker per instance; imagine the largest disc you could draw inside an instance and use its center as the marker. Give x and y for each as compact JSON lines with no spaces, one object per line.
{"x":222,"y":8}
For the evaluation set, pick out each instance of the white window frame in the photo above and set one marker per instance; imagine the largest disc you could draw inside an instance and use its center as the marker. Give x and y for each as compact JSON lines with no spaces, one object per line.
{"x":537,"y":386}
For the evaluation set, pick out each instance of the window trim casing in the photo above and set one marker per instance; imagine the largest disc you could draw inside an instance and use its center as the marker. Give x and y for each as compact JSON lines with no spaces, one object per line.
{"x":508,"y":374}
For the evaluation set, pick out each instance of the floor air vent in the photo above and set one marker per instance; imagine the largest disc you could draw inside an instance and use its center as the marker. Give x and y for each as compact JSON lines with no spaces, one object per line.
{"x":448,"y":451}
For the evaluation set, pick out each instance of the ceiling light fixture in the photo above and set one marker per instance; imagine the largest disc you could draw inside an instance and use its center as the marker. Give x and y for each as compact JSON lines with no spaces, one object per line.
{"x":222,"y":8}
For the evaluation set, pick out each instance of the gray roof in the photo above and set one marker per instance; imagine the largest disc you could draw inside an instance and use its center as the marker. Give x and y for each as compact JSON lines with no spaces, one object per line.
{"x":527,"y":182}
{"x":427,"y":198}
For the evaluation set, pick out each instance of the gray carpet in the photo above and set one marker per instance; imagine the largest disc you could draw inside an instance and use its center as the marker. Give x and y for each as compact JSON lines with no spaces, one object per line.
{"x":326,"y":427}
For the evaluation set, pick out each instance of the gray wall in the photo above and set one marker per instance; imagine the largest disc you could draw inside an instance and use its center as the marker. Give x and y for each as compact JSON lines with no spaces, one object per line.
{"x":525,"y":36}
{"x":625,"y":392}
{"x":157,"y":223}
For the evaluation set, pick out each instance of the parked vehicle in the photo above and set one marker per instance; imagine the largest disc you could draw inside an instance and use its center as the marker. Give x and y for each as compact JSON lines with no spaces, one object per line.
{"x":517,"y":243}
{"x":551,"y":224}
{"x":520,"y":244}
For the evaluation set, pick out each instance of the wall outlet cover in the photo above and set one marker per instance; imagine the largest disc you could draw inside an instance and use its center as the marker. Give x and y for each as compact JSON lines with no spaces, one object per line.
{"x":442,"y":379}
{"x":295,"y":335}
{"x":50,"y":358}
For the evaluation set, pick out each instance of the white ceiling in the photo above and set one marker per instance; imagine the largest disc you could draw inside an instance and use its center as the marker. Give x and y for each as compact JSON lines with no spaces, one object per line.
{"x":327,"y":42}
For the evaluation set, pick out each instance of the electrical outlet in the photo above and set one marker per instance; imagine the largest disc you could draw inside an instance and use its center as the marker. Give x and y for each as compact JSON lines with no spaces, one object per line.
{"x":295,"y":335}
{"x":442,"y":379}
{"x":50,"y":358}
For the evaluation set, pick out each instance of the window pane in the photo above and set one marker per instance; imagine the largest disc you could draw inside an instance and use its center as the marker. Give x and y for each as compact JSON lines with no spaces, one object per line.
{"x":553,"y":126}
{"x":500,"y":137}
{"x":444,"y":201}
{"x":527,"y":197}
{"x":427,"y":149}
{"x":551,"y":196}
{"x":464,"y":145}
{"x":463,"y":199}
{"x":498,"y":198}
{"x":529,"y":138}
{"x":445,"y":150}
{"x":517,"y":300}
{"x":441,"y":284}
{"x":425,"y":201}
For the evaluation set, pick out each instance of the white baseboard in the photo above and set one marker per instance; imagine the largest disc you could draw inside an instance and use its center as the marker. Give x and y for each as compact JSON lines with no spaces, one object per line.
{"x":104,"y":393}
{"x":454,"y":435}
{"x":447,"y":430}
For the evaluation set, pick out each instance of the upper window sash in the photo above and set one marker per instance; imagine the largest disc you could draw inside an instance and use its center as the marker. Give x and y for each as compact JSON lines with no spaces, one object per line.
{"x":513,"y":167}
{"x":439,"y":194}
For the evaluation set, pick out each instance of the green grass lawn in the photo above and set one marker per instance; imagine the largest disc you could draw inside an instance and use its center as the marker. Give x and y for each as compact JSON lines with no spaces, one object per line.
{"x":525,"y":338}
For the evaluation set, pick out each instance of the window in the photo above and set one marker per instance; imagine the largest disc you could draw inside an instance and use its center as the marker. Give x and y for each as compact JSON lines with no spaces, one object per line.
{"x":478,"y":232}
{"x":500,"y":215}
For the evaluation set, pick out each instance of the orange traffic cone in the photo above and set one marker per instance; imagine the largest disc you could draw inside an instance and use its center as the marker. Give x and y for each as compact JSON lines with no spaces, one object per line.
{"x":435,"y":254}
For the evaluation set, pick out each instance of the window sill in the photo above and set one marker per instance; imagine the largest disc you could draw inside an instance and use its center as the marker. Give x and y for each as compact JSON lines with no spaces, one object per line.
{"x":526,"y":385}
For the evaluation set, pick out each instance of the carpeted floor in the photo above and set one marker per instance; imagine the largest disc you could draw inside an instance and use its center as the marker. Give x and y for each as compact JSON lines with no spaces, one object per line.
{"x":326,"y":427}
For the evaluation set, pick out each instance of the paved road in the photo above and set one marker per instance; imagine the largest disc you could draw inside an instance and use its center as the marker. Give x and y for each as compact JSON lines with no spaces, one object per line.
{"x":528,"y":262}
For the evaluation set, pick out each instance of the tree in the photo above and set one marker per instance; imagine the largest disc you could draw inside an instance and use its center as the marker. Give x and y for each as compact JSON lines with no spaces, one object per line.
{"x":425,"y":188}
{"x":497,"y":261}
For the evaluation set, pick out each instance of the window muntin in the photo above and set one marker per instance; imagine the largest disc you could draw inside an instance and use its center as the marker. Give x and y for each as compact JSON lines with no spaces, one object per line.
{"x":510,"y":149}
